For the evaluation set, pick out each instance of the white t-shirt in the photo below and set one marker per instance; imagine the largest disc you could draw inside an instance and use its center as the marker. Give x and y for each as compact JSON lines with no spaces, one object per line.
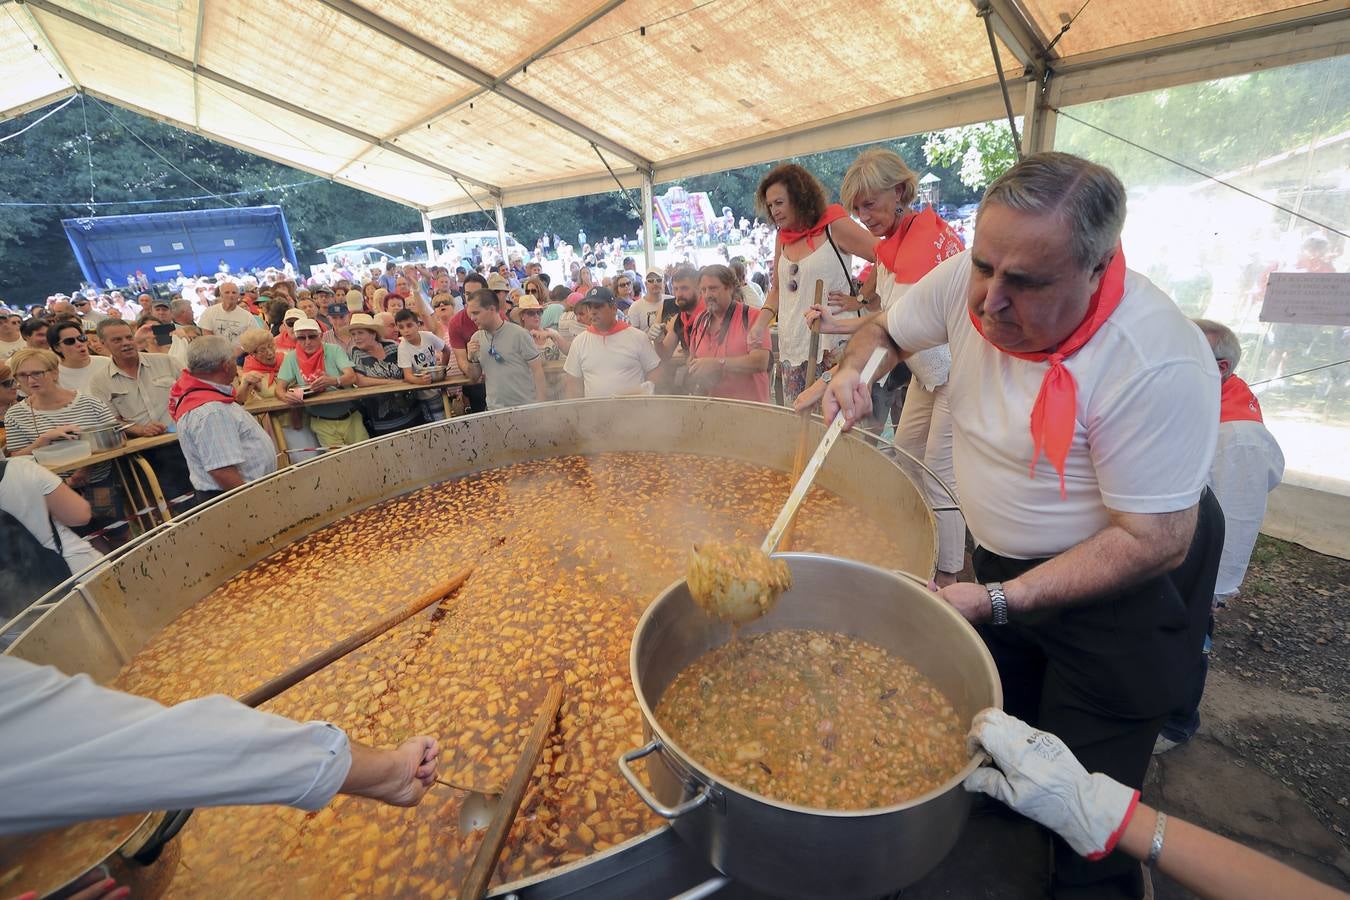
{"x":9,"y":348}
{"x":1147,"y":400}
{"x":23,"y":493}
{"x":929,"y":367}
{"x":612,"y":364}
{"x":78,"y":379}
{"x":1248,"y":465}
{"x":229,"y":325}
{"x":424,"y":355}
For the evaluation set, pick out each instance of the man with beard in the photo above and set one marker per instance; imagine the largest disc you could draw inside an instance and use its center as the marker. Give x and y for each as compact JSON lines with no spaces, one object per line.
{"x":673,"y":333}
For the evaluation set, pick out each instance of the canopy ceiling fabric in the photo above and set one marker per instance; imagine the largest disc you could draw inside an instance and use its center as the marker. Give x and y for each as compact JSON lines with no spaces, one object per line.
{"x":447,"y":104}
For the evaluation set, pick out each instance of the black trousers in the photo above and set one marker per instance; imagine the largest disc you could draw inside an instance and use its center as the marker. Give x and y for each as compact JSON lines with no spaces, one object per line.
{"x":475,"y":397}
{"x":1104,"y":675}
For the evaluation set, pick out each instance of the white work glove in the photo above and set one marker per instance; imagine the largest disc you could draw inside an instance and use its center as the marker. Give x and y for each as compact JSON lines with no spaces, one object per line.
{"x":657,"y":331}
{"x":1041,"y":779}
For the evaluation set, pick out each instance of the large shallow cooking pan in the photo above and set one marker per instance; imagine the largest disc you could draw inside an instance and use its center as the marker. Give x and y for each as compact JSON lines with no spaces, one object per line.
{"x":784,"y":849}
{"x":98,"y":620}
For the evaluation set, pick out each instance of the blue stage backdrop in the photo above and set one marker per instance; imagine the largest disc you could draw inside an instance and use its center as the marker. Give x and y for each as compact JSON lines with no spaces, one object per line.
{"x":192,"y":242}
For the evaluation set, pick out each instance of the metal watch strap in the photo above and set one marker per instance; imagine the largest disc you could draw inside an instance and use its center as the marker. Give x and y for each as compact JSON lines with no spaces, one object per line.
{"x":998,"y":602}
{"x":1155,"y":848}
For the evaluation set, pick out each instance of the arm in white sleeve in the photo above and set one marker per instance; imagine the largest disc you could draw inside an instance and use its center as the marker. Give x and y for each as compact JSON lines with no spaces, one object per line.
{"x":1244,"y":472}
{"x":74,"y":750}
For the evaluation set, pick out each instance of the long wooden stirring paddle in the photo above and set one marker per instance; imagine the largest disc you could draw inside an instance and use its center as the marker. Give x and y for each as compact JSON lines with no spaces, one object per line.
{"x":485,"y":861}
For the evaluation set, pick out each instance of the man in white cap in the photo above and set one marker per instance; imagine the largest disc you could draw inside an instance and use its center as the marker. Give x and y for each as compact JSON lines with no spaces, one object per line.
{"x":320,"y":368}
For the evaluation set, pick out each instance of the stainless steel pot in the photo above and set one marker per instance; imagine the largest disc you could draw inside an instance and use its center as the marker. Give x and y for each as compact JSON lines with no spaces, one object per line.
{"x":780,"y":848}
{"x":105,"y":437}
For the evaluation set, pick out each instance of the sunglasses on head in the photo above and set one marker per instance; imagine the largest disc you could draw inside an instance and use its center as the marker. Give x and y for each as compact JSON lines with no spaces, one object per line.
{"x":9,"y":384}
{"x":72,"y":341}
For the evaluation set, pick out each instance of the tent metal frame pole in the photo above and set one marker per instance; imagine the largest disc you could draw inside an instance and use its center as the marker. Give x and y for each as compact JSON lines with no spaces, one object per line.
{"x":187,"y":65}
{"x":648,"y":231}
{"x":426,"y":236}
{"x":501,"y":226}
{"x":1038,"y":115}
{"x":485,"y":81}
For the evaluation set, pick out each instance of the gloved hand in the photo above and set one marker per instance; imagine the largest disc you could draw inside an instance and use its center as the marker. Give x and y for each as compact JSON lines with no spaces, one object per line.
{"x":1040,"y":778}
{"x":657,"y":331}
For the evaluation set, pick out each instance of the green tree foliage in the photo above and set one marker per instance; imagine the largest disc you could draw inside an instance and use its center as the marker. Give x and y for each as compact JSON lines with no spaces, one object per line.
{"x":980,"y":153}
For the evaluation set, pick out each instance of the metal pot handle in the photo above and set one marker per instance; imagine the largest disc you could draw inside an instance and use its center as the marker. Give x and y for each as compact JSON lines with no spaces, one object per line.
{"x":665,"y":812}
{"x":168,"y":829}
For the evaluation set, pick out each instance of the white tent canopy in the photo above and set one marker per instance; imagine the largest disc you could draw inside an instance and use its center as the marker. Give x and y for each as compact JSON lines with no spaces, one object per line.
{"x":448,"y":105}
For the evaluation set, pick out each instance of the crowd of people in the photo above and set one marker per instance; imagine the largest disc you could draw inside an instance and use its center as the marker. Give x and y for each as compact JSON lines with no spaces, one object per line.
{"x":1096,"y":577}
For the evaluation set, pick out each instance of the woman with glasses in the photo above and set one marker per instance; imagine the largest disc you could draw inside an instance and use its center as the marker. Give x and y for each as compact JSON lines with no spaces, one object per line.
{"x":879,"y":188}
{"x":78,"y":366}
{"x":51,"y":413}
{"x":258,"y":378}
{"x":816,"y":243}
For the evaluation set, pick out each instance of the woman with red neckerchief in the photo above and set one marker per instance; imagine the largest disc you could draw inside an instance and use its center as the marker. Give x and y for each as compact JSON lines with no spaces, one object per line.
{"x":879,"y":188}
{"x":816,"y":242}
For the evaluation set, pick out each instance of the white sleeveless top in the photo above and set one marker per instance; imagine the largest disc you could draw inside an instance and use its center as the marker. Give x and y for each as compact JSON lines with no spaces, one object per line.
{"x":929,"y":367}
{"x":794,"y":335}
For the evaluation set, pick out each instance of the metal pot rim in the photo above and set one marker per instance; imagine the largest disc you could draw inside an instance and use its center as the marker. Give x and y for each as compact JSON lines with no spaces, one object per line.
{"x":716,"y":781}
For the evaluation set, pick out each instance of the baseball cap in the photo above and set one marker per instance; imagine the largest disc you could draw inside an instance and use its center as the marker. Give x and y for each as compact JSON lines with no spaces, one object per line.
{"x":303,"y":324}
{"x":599,"y":295}
{"x":321,"y":289}
{"x":497,"y":283}
{"x":160,"y":302}
{"x":338,"y":309}
{"x":292,"y":314}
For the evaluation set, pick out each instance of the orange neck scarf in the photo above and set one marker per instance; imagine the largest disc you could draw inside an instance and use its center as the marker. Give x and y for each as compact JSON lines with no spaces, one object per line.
{"x":618,"y":326}
{"x":311,"y":365}
{"x":1237,"y":403}
{"x":1052,"y":416}
{"x":919,"y":243}
{"x":833,"y":213}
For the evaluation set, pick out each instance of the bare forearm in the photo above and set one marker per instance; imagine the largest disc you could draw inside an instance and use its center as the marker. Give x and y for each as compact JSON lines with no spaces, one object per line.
{"x":227,"y":477}
{"x":754,"y":361}
{"x":1109,"y":561}
{"x":1213,"y":866}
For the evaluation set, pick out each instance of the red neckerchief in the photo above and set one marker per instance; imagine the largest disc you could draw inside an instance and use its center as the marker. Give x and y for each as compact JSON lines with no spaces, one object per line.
{"x":1052,"y":417}
{"x":833,"y":213}
{"x":190,"y":392}
{"x":310,"y":364}
{"x":919,"y":243}
{"x":253,"y":364}
{"x":1237,"y":403}
{"x":618,"y":326}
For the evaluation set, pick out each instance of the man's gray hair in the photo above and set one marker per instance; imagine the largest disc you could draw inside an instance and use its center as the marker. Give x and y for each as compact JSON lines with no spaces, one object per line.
{"x":1226,"y":344}
{"x":1089,"y":197}
{"x":208,"y":353}
{"x":179,"y":305}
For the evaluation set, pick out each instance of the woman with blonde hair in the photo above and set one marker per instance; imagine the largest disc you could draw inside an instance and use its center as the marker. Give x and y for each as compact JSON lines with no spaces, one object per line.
{"x":879,"y":188}
{"x":816,"y":241}
{"x":258,"y":376}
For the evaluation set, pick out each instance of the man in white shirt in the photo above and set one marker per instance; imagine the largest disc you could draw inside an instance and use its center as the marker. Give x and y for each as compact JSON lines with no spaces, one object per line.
{"x":224,"y":446}
{"x":1098,"y":563}
{"x":610,"y":358}
{"x":11,"y":338}
{"x":226,"y":317}
{"x":1248,"y":465}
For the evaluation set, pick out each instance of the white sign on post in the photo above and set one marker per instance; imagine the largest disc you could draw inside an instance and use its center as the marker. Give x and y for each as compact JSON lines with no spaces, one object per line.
{"x":1307,"y":298}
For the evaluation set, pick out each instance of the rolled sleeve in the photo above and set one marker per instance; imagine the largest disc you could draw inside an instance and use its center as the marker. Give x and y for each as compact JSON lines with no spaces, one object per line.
{"x":75,"y":751}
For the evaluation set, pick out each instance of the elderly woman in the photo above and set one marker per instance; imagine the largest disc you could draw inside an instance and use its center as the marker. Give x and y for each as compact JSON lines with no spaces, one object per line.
{"x":726,"y":358}
{"x":376,"y":363}
{"x":816,"y":242}
{"x":51,"y":413}
{"x":879,"y":188}
{"x":257,"y":378}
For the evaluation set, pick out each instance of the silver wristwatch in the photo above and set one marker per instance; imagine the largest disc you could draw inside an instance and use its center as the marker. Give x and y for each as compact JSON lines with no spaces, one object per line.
{"x":998,"y":602}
